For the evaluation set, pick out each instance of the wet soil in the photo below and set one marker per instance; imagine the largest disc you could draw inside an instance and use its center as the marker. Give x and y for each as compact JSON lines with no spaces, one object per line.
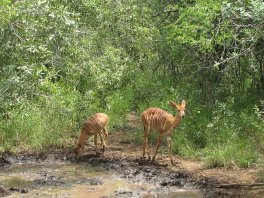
{"x":60,"y":175}
{"x":124,"y":158}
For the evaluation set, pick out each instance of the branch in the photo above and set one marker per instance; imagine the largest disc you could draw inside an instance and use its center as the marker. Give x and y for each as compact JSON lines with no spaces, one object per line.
{"x":236,"y":185}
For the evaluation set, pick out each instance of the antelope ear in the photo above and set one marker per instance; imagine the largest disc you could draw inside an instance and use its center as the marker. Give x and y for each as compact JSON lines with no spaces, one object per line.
{"x":173,"y":104}
{"x":183,"y":103}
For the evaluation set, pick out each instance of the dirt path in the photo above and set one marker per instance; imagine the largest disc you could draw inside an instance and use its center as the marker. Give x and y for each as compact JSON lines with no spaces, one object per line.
{"x":207,"y":179}
{"x":125,"y":158}
{"x":248,"y":175}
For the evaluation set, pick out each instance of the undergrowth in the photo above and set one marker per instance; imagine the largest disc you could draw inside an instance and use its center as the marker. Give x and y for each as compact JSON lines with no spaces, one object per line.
{"x":220,"y":135}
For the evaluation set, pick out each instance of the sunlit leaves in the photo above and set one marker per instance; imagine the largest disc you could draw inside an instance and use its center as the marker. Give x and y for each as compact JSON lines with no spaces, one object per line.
{"x":195,"y":25}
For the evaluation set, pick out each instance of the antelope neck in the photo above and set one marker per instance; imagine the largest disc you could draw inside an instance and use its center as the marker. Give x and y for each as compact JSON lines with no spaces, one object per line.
{"x":177,"y":119}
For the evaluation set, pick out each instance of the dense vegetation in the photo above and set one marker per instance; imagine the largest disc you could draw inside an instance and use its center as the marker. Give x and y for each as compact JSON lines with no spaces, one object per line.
{"x":61,"y":61}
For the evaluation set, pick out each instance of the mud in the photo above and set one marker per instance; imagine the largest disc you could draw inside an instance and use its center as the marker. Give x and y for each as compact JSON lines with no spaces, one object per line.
{"x":133,"y":169}
{"x":4,"y":191}
{"x":161,"y":175}
{"x":189,"y":179}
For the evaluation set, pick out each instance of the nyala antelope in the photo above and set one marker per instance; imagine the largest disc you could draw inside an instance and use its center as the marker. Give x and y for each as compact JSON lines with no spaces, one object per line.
{"x":94,"y":125}
{"x":163,"y":122}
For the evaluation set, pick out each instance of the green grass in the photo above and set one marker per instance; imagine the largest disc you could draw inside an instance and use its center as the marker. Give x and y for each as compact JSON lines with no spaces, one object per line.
{"x":222,"y":136}
{"x":233,"y":154}
{"x":226,"y":137}
{"x":36,"y":129}
{"x":41,"y":124}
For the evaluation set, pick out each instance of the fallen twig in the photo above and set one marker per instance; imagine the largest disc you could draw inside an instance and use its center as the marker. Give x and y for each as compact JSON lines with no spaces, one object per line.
{"x":234,"y":185}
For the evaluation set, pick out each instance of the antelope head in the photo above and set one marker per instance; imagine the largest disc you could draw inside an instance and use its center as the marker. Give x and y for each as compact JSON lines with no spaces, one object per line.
{"x":180,"y":108}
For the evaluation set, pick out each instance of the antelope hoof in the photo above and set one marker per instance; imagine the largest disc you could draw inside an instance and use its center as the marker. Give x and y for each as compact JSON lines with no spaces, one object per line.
{"x":144,"y":157}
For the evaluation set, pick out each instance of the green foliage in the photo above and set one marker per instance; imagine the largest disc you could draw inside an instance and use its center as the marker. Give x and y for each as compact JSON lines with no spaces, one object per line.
{"x":224,"y":140}
{"x":119,"y":105}
{"x":194,"y":25}
{"x":62,"y":61}
{"x":44,"y":123}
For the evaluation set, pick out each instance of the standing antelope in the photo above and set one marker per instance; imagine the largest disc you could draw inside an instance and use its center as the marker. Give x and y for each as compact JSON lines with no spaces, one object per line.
{"x":163,"y":122}
{"x":94,"y":125}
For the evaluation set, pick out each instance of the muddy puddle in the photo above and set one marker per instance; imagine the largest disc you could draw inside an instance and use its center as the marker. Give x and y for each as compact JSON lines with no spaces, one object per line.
{"x":90,"y":177}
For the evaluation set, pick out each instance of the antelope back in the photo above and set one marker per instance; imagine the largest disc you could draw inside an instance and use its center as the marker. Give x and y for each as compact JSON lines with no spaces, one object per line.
{"x":157,"y":119}
{"x":95,"y":123}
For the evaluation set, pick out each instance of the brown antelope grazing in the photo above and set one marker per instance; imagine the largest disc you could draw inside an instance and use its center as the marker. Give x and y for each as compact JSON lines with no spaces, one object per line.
{"x":163,"y":122}
{"x":94,"y":125}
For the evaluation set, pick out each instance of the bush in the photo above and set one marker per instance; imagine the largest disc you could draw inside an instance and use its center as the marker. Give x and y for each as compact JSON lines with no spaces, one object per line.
{"x":46,"y":122}
{"x":223,"y":138}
